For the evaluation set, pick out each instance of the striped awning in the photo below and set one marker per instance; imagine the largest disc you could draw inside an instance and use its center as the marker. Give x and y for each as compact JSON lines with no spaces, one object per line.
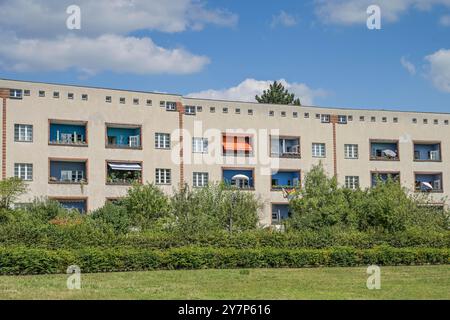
{"x":125,"y":166}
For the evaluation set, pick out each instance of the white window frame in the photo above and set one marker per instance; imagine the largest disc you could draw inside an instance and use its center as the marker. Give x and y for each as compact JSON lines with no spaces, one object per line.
{"x":352,"y":182}
{"x":190,"y":110}
{"x":163,"y":176}
{"x":23,"y":171}
{"x":325,"y":118}
{"x":162,"y":140}
{"x":342,"y":119}
{"x":135,"y":141}
{"x":351,"y":151}
{"x":200,"y":179}
{"x":16,"y":93}
{"x":199,"y":145}
{"x":23,"y":132}
{"x":319,"y":150}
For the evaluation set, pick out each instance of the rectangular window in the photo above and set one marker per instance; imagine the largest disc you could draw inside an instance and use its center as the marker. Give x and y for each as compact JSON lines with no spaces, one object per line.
{"x":306,"y":115}
{"x":190,"y":110}
{"x":26,"y":93}
{"x":23,"y":171}
{"x":15,"y":93}
{"x":283,"y":114}
{"x":199,"y":108}
{"x":162,"y":140}
{"x":135,"y":101}
{"x":200,"y":179}
{"x":212,"y":109}
{"x":84,"y":97}
{"x":149,"y":102}
{"x":238,"y":111}
{"x":163,"y":176}
{"x":225,"y":110}
{"x":352,"y":182}
{"x":295,"y":114}
{"x":342,"y":119}
{"x":41,"y":93}
{"x":199,"y":145}
{"x":70,"y":96}
{"x":171,"y":106}
{"x":325,"y":118}
{"x":56,"y":94}
{"x":23,"y":133}
{"x":108,"y":99}
{"x":318,"y":150}
{"x":250,"y":112}
{"x":271,"y":113}
{"x":351,"y":151}
{"x":122,"y":100}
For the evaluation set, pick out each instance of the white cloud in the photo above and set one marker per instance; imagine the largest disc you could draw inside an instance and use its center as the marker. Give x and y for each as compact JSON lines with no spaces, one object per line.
{"x":409,"y":66}
{"x":91,"y":55}
{"x":445,"y":20}
{"x":38,"y":39}
{"x":47,"y":18}
{"x":249,"y":88}
{"x":348,"y":12}
{"x":439,"y":69}
{"x":283,"y":19}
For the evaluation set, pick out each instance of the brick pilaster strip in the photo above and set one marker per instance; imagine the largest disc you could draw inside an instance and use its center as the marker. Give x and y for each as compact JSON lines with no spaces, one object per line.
{"x":334,"y":121}
{"x":180,"y":109}
{"x":4,"y":139}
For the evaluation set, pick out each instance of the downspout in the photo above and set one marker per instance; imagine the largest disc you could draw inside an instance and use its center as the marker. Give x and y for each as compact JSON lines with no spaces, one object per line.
{"x":4,"y":94}
{"x":180,"y":109}
{"x":334,"y":121}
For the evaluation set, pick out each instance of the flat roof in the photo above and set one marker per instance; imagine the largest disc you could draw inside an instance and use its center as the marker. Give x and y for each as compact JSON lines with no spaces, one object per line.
{"x":225,"y":101}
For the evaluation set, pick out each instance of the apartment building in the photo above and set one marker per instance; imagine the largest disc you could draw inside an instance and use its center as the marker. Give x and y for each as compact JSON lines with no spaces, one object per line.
{"x":83,"y":146}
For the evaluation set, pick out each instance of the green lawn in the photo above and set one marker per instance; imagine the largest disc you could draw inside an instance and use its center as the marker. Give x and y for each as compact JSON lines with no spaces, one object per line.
{"x":421,"y":282}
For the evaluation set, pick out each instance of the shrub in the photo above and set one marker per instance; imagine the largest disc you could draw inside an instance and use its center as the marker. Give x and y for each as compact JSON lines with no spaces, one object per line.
{"x":214,"y":208}
{"x":387,"y":207}
{"x":145,"y":204}
{"x":114,"y":215}
{"x":45,"y":210}
{"x":19,"y":260}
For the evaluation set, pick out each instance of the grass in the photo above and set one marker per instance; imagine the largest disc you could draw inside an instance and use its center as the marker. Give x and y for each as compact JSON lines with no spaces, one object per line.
{"x":418,"y":282}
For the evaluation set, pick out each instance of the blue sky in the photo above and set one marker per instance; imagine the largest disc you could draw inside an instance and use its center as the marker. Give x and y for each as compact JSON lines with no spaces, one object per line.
{"x":230,"y":49}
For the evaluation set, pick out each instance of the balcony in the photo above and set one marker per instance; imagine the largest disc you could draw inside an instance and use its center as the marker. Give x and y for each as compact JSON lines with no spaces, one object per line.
{"x":384,"y":177}
{"x":280,"y":212}
{"x":285,"y":180}
{"x":239,"y":178}
{"x":237,"y":145}
{"x":68,"y":133}
{"x":428,"y":182}
{"x":68,"y":171}
{"x":79,"y":205}
{"x":123,"y":136}
{"x":123,"y":173}
{"x":384,"y":151}
{"x":285,"y":147}
{"x":427,"y":152}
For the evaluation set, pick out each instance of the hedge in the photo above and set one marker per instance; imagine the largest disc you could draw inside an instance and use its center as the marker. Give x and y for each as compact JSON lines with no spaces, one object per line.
{"x":82,"y":236}
{"x":21,"y":260}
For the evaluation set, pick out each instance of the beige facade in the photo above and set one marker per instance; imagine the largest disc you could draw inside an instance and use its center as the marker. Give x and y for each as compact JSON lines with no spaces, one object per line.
{"x":419,"y":141}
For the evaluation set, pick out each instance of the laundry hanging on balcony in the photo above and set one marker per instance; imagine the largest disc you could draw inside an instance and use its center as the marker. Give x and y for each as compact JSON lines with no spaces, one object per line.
{"x":390,"y":153}
{"x":426,"y":186}
{"x":125,"y":166}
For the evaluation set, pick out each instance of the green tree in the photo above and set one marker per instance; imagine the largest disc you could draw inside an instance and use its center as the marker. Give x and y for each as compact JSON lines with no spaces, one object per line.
{"x":145,"y":204}
{"x":10,"y":190}
{"x":321,"y":203}
{"x":278,"y":94}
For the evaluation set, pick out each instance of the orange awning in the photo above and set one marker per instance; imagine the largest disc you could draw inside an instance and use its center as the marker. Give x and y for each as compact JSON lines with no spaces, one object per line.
{"x":237,"y":146}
